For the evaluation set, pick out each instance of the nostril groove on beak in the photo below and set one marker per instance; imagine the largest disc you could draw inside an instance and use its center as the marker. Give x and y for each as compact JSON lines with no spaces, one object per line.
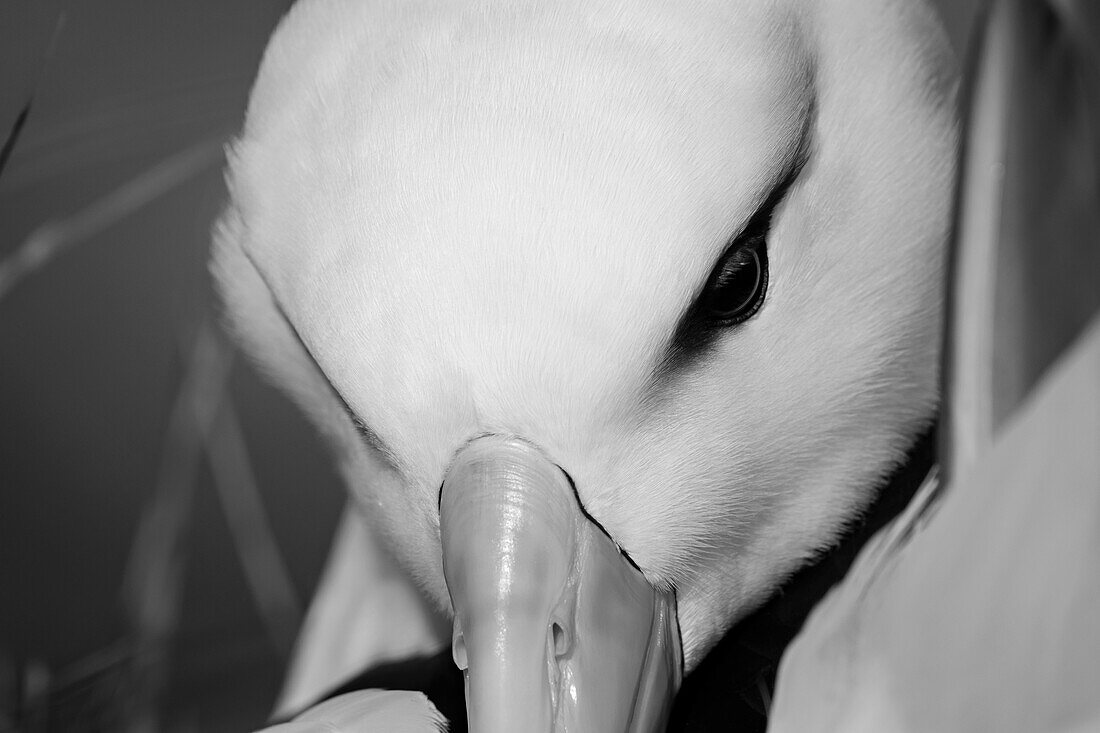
{"x":565,"y":632}
{"x":561,"y":638}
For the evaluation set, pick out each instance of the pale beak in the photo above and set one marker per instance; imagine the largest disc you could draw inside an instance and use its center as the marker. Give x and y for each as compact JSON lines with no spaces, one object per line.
{"x":554,"y":629}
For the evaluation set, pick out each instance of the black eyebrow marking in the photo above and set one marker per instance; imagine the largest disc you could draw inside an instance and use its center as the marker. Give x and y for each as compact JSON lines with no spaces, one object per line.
{"x":695,"y":334}
{"x":370,"y":437}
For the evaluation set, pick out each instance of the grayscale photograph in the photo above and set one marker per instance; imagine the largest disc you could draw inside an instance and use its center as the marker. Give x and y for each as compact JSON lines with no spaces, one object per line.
{"x":550,"y":366}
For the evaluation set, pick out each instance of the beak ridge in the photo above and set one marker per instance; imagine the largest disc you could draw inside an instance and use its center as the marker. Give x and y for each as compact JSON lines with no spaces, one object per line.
{"x":554,"y":629}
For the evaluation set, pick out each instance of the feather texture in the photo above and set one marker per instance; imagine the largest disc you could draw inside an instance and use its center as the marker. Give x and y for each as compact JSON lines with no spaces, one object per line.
{"x":459,"y":218}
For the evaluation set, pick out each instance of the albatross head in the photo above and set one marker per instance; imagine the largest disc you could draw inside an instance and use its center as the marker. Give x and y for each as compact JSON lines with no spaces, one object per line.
{"x":655,"y":277}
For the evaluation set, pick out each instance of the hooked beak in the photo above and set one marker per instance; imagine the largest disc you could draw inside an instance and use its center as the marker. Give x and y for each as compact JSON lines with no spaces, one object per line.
{"x":554,"y":629}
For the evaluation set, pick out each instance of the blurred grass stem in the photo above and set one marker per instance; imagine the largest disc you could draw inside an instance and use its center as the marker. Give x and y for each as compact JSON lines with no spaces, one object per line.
{"x":266,"y":574}
{"x":153,"y":581}
{"x":54,"y":237}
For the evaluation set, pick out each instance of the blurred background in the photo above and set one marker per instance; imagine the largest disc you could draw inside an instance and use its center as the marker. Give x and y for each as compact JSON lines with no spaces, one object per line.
{"x":159,"y":538}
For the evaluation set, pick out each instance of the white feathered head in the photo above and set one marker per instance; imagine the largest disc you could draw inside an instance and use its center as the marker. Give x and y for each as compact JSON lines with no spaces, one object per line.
{"x":689,"y":252}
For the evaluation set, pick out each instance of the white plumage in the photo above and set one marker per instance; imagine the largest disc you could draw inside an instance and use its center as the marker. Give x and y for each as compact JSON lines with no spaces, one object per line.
{"x":985,"y":619}
{"x":484,"y":217}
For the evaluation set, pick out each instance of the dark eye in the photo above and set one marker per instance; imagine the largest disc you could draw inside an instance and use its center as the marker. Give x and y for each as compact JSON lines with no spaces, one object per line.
{"x":734,"y":290}
{"x":738,"y":284}
{"x":733,"y":293}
